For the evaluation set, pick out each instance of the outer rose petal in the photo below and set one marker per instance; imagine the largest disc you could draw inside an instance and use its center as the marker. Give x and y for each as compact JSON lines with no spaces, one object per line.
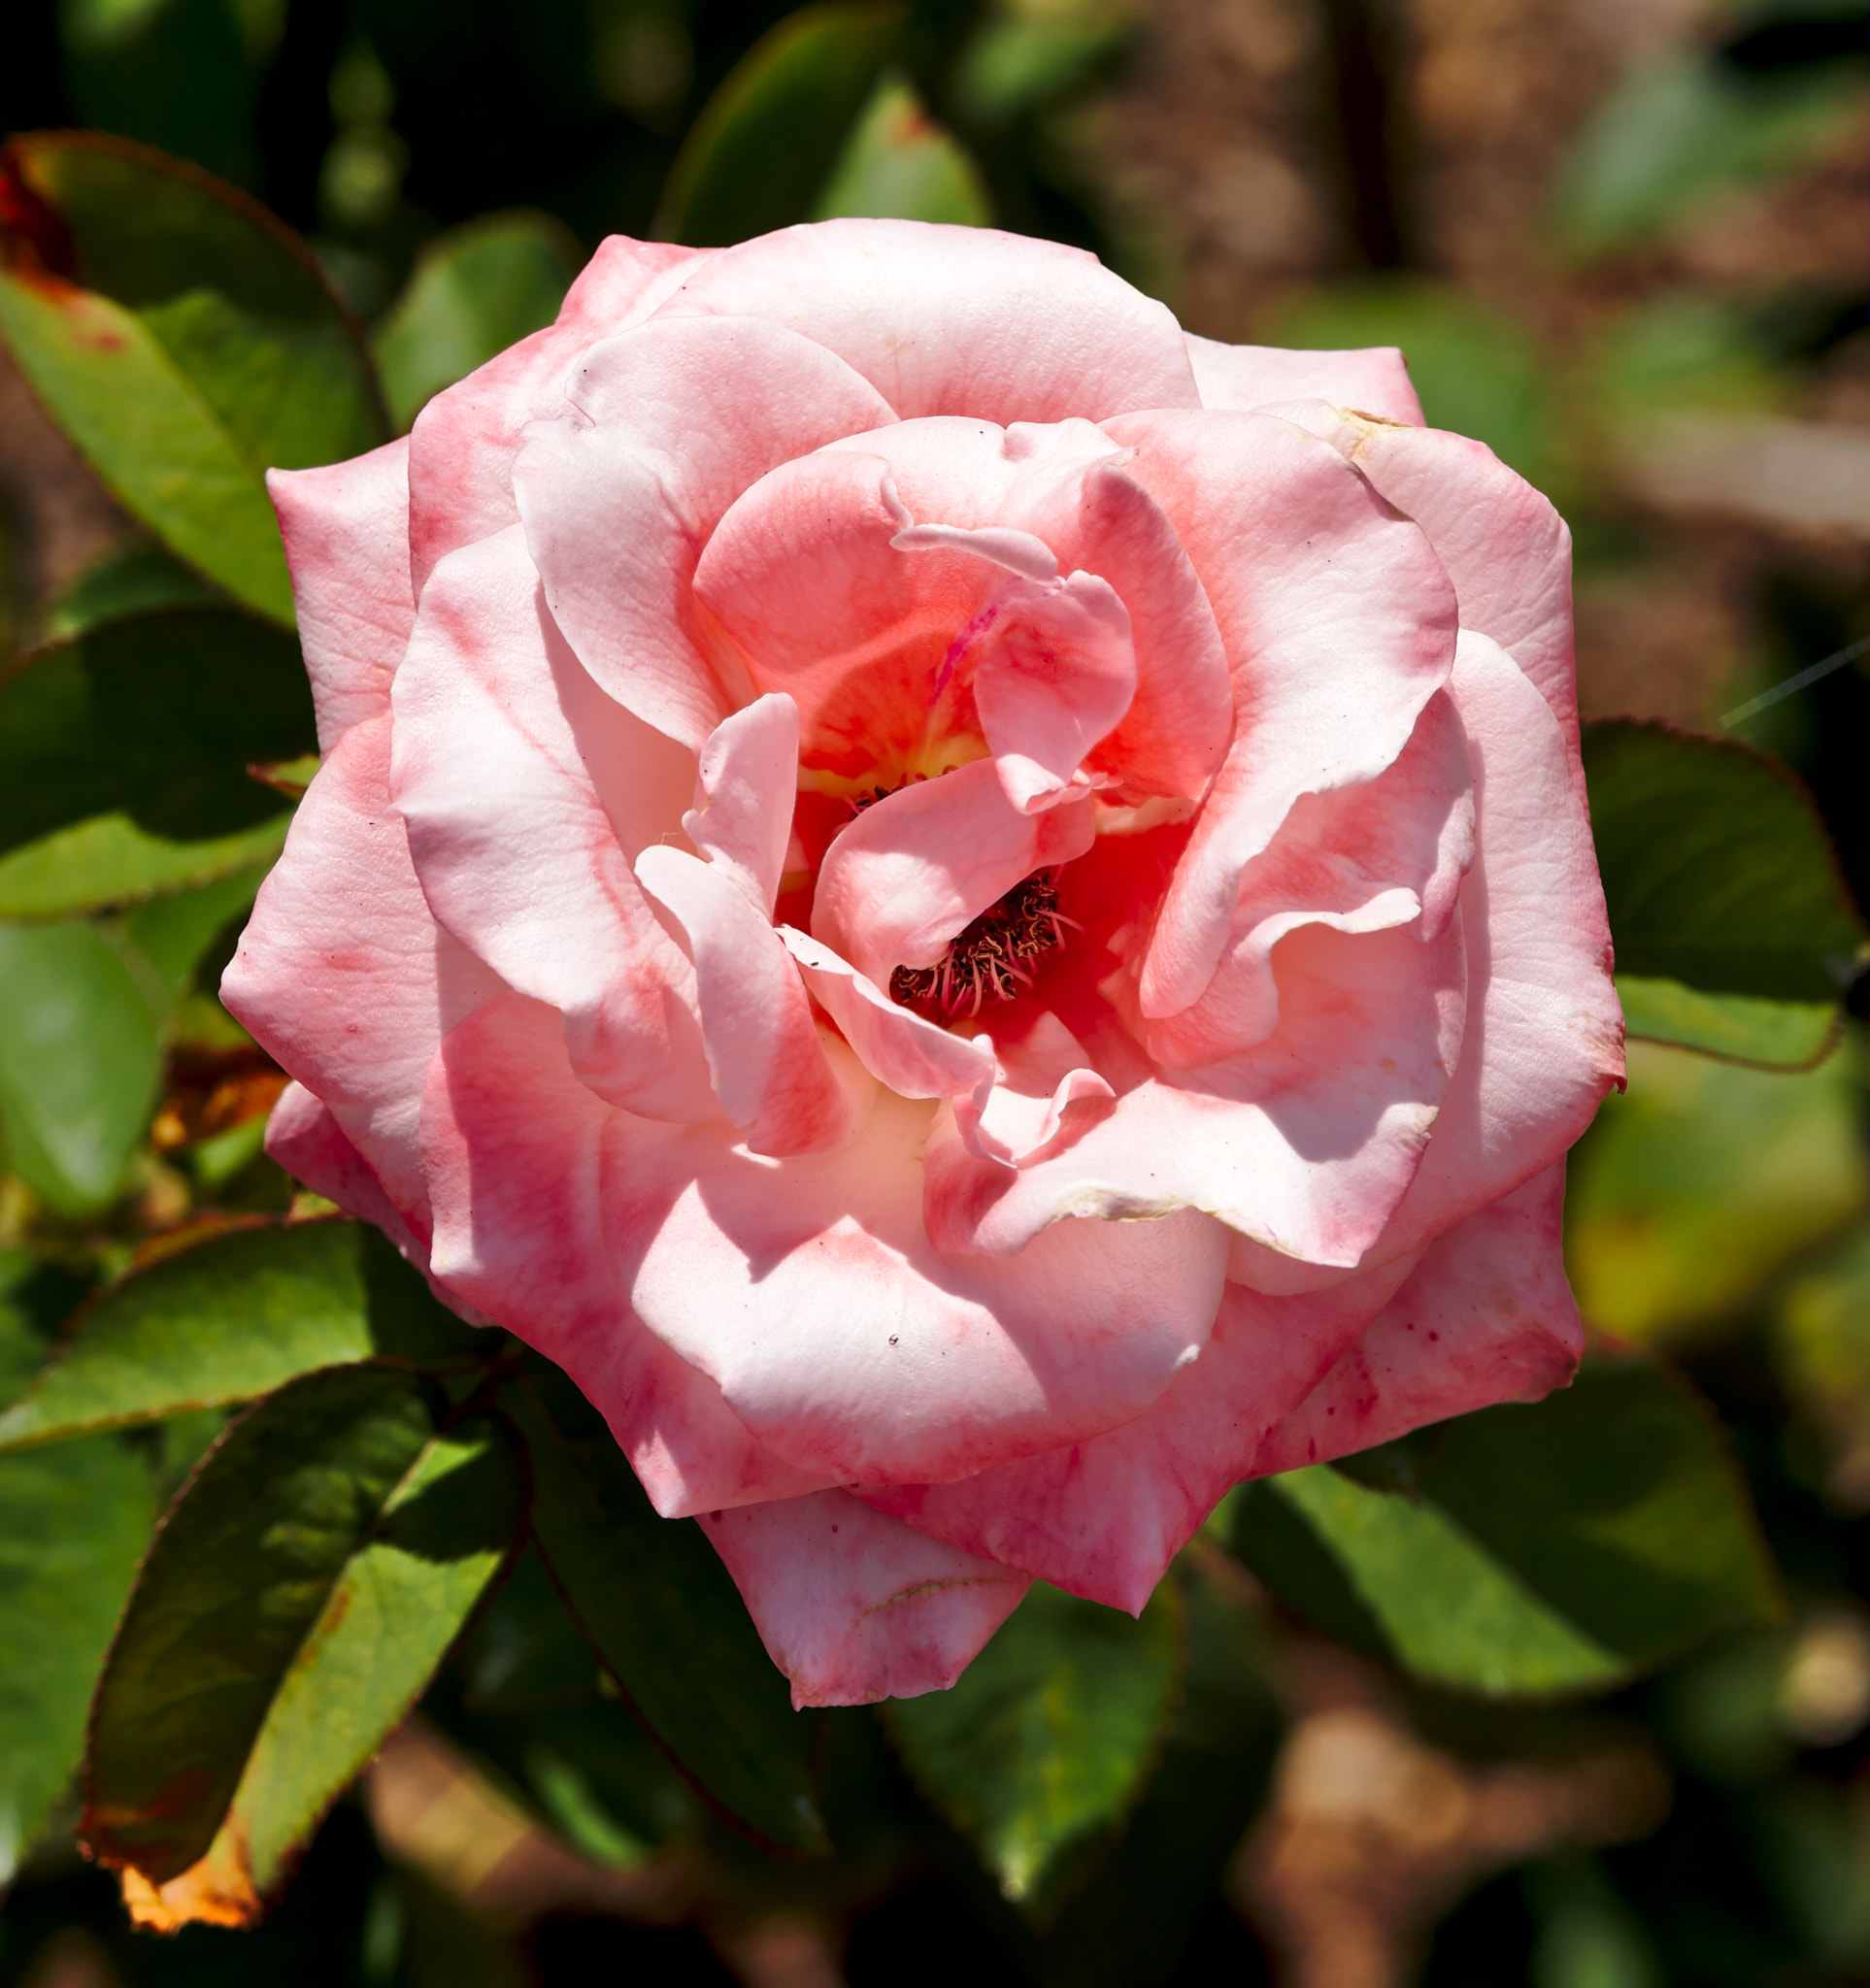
{"x":512,"y":1142}
{"x":1373,"y":378}
{"x":462,"y":446}
{"x":1339,"y":624}
{"x":1507,"y":550}
{"x":1544,"y":1033}
{"x":807,"y":1288}
{"x":499,"y":735}
{"x":346,"y":529}
{"x":1486,"y":1316}
{"x":953,"y":320}
{"x":304,"y":1138}
{"x":668,"y":424}
{"x":352,"y":987}
{"x":854,"y":1606}
{"x":1104,"y":1518}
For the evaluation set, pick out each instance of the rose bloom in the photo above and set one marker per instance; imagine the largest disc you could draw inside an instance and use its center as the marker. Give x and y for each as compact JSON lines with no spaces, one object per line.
{"x":977,"y":912}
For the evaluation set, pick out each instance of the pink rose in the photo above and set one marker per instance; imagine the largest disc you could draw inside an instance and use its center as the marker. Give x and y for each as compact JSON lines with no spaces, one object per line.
{"x":978,"y":913}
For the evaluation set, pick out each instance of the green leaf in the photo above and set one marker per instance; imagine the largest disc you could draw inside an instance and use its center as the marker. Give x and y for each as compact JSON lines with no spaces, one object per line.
{"x":1821,"y":1353}
{"x":174,"y":933}
{"x":1775,"y":1034}
{"x":313,"y":1573}
{"x":1020,"y":63}
{"x":204,"y":347}
{"x":665,"y":1620}
{"x":766,"y":142}
{"x":73,"y":1525}
{"x":231,"y":1318}
{"x":1690,"y":1191}
{"x":1129,"y":1925}
{"x":79,"y":1062}
{"x":156,"y":717}
{"x":1716,"y":869}
{"x":1533,"y":1550}
{"x":1046,"y":1739}
{"x":476,"y":290}
{"x":899,"y":164}
{"x":108,"y":862}
{"x":134,"y":579}
{"x":149,"y":433}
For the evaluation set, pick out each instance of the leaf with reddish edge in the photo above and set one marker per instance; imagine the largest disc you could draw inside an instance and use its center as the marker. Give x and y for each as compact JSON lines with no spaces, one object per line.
{"x":664,"y":1619}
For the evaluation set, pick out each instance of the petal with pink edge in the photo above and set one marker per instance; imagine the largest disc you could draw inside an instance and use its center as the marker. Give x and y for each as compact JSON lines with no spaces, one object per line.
{"x":462,"y":446}
{"x":345,"y":529}
{"x":854,"y":1606}
{"x":1339,"y":624}
{"x":512,"y":1141}
{"x":745,"y":788}
{"x":807,"y":1289}
{"x":1104,"y":1518}
{"x":352,"y":989}
{"x":304,"y":1138}
{"x":517,"y":851}
{"x":957,"y":320}
{"x":1486,"y":1316}
{"x":1544,"y":1033}
{"x":667,"y":425}
{"x":909,"y":873}
{"x":1373,"y":378}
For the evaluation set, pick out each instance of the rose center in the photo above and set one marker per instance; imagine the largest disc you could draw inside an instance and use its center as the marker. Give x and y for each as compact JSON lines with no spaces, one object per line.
{"x":991,"y":959}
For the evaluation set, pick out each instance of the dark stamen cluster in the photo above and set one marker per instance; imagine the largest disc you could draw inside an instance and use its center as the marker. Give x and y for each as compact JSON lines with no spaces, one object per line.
{"x":991,"y":959}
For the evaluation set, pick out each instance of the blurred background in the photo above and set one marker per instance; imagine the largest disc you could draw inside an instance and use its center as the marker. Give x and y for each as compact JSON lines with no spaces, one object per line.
{"x":1622,"y":241}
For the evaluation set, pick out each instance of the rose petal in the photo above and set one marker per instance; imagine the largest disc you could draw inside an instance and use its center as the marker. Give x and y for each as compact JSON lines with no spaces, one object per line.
{"x":309,"y":1144}
{"x":854,"y":1607}
{"x":956,"y":320}
{"x":498,"y":731}
{"x":464,"y":441}
{"x":345,"y":529}
{"x":351,"y":989}
{"x":1018,"y":1115}
{"x":770,"y":1069}
{"x":1545,"y":1032}
{"x":511,"y":1140}
{"x":1373,"y":378}
{"x":907,"y":875}
{"x":742,"y":819}
{"x":669,"y":424}
{"x":1339,"y":624}
{"x":1486,"y":1316}
{"x":1104,"y":1518}
{"x":807,"y":1289}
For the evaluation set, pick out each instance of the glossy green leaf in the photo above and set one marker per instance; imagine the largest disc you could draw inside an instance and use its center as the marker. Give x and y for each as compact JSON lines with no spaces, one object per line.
{"x":1129,"y":1925}
{"x":899,"y":164}
{"x":231,"y":1318}
{"x":476,"y":290}
{"x":1020,"y":62}
{"x":149,"y":433}
{"x":136,"y":580}
{"x":73,"y":1524}
{"x":1692,"y":1190}
{"x":1716,"y":869}
{"x":255,"y":1568}
{"x":767,"y":140}
{"x":156,"y":717}
{"x":1744,"y":1028}
{"x":1045,"y":1741}
{"x":665,"y":1620}
{"x":203,"y":348}
{"x":108,"y":862}
{"x":1526,"y":1550}
{"x":173,"y":932}
{"x":78,"y":1060}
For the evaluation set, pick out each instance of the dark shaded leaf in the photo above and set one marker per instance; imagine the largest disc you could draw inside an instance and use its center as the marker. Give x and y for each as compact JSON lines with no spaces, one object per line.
{"x":1543,"y":1549}
{"x":476,"y":290}
{"x":135,"y":580}
{"x":1717,"y":869}
{"x":665,"y":1620}
{"x":1046,"y":1739}
{"x":232,"y":1318}
{"x":156,"y":717}
{"x":73,"y":1525}
{"x":766,"y":142}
